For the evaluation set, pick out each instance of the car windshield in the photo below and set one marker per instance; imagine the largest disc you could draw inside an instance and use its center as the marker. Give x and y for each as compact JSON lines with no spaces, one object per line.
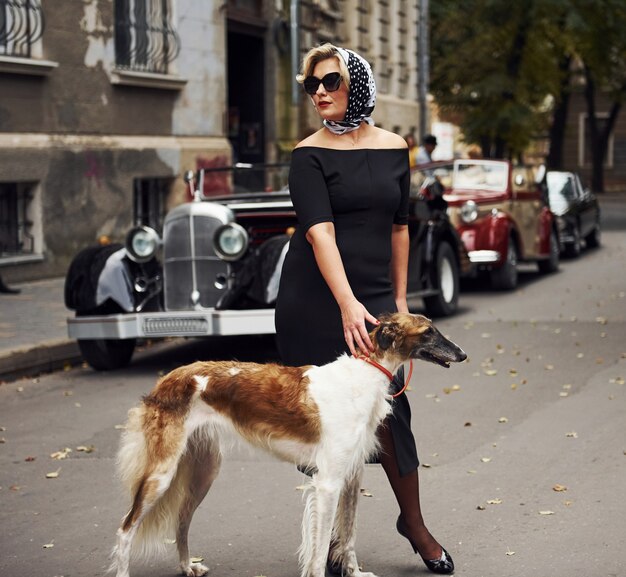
{"x":480,"y":175}
{"x":242,"y":179}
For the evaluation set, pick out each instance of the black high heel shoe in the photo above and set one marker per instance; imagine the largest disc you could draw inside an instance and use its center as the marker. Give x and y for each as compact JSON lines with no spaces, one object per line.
{"x":442,"y":566}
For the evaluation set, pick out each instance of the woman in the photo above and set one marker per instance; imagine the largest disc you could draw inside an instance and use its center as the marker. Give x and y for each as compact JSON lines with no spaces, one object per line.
{"x":347,"y":261}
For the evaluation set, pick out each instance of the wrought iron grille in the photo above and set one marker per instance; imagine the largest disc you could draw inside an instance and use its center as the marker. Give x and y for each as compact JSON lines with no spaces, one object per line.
{"x":145,"y":38}
{"x":21,"y":25}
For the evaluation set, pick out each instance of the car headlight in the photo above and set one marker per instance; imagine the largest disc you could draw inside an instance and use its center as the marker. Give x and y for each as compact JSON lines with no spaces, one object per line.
{"x":469,"y":212}
{"x":142,"y":243}
{"x":230,"y":241}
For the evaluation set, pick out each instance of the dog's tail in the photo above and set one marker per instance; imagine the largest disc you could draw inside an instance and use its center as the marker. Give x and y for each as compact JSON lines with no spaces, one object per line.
{"x":155,"y":464}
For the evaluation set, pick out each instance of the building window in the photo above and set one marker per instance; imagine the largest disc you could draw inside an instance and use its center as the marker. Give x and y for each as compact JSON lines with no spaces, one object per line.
{"x":145,"y":38}
{"x":584,"y":140}
{"x":149,"y":201}
{"x":21,"y":28}
{"x":19,"y":222}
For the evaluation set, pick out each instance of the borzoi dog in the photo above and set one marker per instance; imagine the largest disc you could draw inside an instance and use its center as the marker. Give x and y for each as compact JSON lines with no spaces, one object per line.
{"x":324,"y":418}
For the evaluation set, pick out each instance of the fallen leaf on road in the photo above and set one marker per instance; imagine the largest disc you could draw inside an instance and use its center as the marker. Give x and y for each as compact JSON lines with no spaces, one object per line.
{"x":549,"y":367}
{"x":481,"y":507}
{"x":86,"y":449}
{"x":366,"y":493}
{"x":426,"y":465}
{"x":491,"y":372}
{"x":546,"y":512}
{"x":120,"y":426}
{"x":48,"y":546}
{"x":62,"y":454}
{"x":494,"y":502}
{"x":503,"y":420}
{"x":559,"y":488}
{"x":15,"y":488}
{"x":508,"y":552}
{"x":301,"y":488}
{"x":68,"y":393}
{"x":617,"y":381}
{"x":2,"y":440}
{"x":30,"y":459}
{"x":485,"y":459}
{"x":196,"y":559}
{"x":572,"y":434}
{"x":54,"y":474}
{"x":563,"y":394}
{"x":602,"y":320}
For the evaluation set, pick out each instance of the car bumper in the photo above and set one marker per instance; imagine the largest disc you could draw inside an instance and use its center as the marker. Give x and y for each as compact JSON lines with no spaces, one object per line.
{"x":209,"y":322}
{"x":483,"y":256}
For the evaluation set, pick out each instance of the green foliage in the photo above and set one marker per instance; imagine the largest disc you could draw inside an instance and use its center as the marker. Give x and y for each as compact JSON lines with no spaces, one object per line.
{"x":498,"y":66}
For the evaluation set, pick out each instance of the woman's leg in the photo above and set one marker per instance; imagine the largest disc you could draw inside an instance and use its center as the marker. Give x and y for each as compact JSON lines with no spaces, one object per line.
{"x":407,"y":492}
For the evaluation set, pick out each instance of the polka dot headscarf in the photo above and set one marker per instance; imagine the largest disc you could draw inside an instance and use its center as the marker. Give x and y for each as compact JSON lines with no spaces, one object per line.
{"x":362,"y":96}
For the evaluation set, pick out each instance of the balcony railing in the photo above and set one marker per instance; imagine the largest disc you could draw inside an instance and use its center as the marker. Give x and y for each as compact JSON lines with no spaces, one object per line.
{"x":145,"y":38}
{"x":21,"y":25}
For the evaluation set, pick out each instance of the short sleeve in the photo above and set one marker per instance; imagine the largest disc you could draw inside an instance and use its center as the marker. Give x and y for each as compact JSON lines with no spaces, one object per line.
{"x":402,"y":214}
{"x":308,"y":190}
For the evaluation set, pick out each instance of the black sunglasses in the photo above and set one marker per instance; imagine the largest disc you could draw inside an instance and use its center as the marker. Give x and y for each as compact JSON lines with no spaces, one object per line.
{"x":331,"y":83}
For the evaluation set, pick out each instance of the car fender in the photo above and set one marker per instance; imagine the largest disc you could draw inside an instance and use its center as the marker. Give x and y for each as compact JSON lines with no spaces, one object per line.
{"x":489,"y":233}
{"x":99,"y":275}
{"x":547,"y":225}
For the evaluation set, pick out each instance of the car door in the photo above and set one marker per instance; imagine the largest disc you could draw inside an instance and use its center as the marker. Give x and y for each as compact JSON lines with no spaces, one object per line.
{"x":526,"y":209}
{"x":586,"y":210}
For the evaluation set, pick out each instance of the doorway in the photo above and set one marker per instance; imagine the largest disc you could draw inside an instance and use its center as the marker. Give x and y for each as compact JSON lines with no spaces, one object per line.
{"x":246,"y":95}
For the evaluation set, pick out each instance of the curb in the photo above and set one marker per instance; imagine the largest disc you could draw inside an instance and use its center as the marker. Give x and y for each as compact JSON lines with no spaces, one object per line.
{"x":31,"y":361}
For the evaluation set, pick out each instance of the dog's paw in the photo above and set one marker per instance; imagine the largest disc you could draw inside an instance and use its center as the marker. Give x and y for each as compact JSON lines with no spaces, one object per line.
{"x":195,"y":570}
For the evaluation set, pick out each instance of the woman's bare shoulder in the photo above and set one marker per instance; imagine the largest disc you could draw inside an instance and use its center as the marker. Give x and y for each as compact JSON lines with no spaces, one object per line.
{"x":315,"y":139}
{"x":386,"y":139}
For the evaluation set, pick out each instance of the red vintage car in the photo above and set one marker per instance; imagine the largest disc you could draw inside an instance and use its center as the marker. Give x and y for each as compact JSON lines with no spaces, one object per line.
{"x":502,"y":215}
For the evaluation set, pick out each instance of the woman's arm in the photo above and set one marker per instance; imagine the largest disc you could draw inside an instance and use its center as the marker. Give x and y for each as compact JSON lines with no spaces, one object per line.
{"x":353,"y":313}
{"x":400,"y":264}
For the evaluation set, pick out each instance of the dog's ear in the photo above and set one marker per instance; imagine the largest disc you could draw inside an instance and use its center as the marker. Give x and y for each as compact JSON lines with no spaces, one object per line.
{"x":386,"y":334}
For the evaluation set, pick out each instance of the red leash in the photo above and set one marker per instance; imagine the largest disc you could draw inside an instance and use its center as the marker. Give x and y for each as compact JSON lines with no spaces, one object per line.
{"x":388,"y":373}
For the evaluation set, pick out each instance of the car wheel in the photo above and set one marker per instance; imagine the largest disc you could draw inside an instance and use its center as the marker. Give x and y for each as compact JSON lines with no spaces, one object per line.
{"x":107,"y":354}
{"x":572,"y":249}
{"x":551,"y":264}
{"x":505,"y":277}
{"x":446,"y":280}
{"x":592,"y":240}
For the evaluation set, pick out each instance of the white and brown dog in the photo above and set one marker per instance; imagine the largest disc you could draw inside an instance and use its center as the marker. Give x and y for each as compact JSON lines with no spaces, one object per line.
{"x":319,"y":417}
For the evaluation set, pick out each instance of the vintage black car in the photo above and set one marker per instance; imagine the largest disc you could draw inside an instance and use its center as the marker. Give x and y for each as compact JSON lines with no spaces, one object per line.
{"x":576,"y":209}
{"x":214,"y":269}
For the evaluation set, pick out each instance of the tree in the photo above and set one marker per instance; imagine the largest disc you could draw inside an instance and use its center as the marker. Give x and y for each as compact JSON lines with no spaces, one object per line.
{"x":598,"y":33}
{"x":506,"y":70}
{"x":490,"y":67}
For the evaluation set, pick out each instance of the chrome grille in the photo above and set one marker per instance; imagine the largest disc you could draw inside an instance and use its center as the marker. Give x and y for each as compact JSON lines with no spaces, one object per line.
{"x":191,"y":268}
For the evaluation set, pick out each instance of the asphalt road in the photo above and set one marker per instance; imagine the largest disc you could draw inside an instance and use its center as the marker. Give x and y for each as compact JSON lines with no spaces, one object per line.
{"x":523,"y":448}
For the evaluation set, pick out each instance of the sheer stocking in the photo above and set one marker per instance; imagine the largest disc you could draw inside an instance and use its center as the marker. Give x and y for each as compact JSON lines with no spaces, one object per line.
{"x":406,"y":490}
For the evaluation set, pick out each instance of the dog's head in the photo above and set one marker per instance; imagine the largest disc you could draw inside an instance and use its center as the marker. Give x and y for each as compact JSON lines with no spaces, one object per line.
{"x":406,"y":336}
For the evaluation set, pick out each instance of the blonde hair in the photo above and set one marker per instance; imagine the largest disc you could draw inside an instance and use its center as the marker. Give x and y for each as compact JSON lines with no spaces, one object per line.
{"x":316,"y":55}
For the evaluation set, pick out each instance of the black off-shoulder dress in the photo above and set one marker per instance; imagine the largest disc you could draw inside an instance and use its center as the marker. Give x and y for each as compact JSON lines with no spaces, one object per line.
{"x":363,"y":192}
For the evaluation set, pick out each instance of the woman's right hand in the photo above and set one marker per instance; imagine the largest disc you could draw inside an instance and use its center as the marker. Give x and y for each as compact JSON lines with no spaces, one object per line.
{"x":353,"y":316}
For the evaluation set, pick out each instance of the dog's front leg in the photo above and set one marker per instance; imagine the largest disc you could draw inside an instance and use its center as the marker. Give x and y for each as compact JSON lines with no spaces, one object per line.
{"x":343,"y":552}
{"x":317,"y":523}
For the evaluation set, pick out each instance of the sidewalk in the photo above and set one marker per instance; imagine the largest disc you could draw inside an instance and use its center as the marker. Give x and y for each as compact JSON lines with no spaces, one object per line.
{"x":33,"y":332}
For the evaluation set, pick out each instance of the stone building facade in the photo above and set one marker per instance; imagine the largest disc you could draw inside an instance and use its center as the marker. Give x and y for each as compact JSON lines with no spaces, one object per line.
{"x":105,"y":103}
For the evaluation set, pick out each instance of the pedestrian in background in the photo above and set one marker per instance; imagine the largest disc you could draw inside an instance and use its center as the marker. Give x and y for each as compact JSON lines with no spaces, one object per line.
{"x":348,"y":259}
{"x":425,"y":152}
{"x":413,"y":148}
